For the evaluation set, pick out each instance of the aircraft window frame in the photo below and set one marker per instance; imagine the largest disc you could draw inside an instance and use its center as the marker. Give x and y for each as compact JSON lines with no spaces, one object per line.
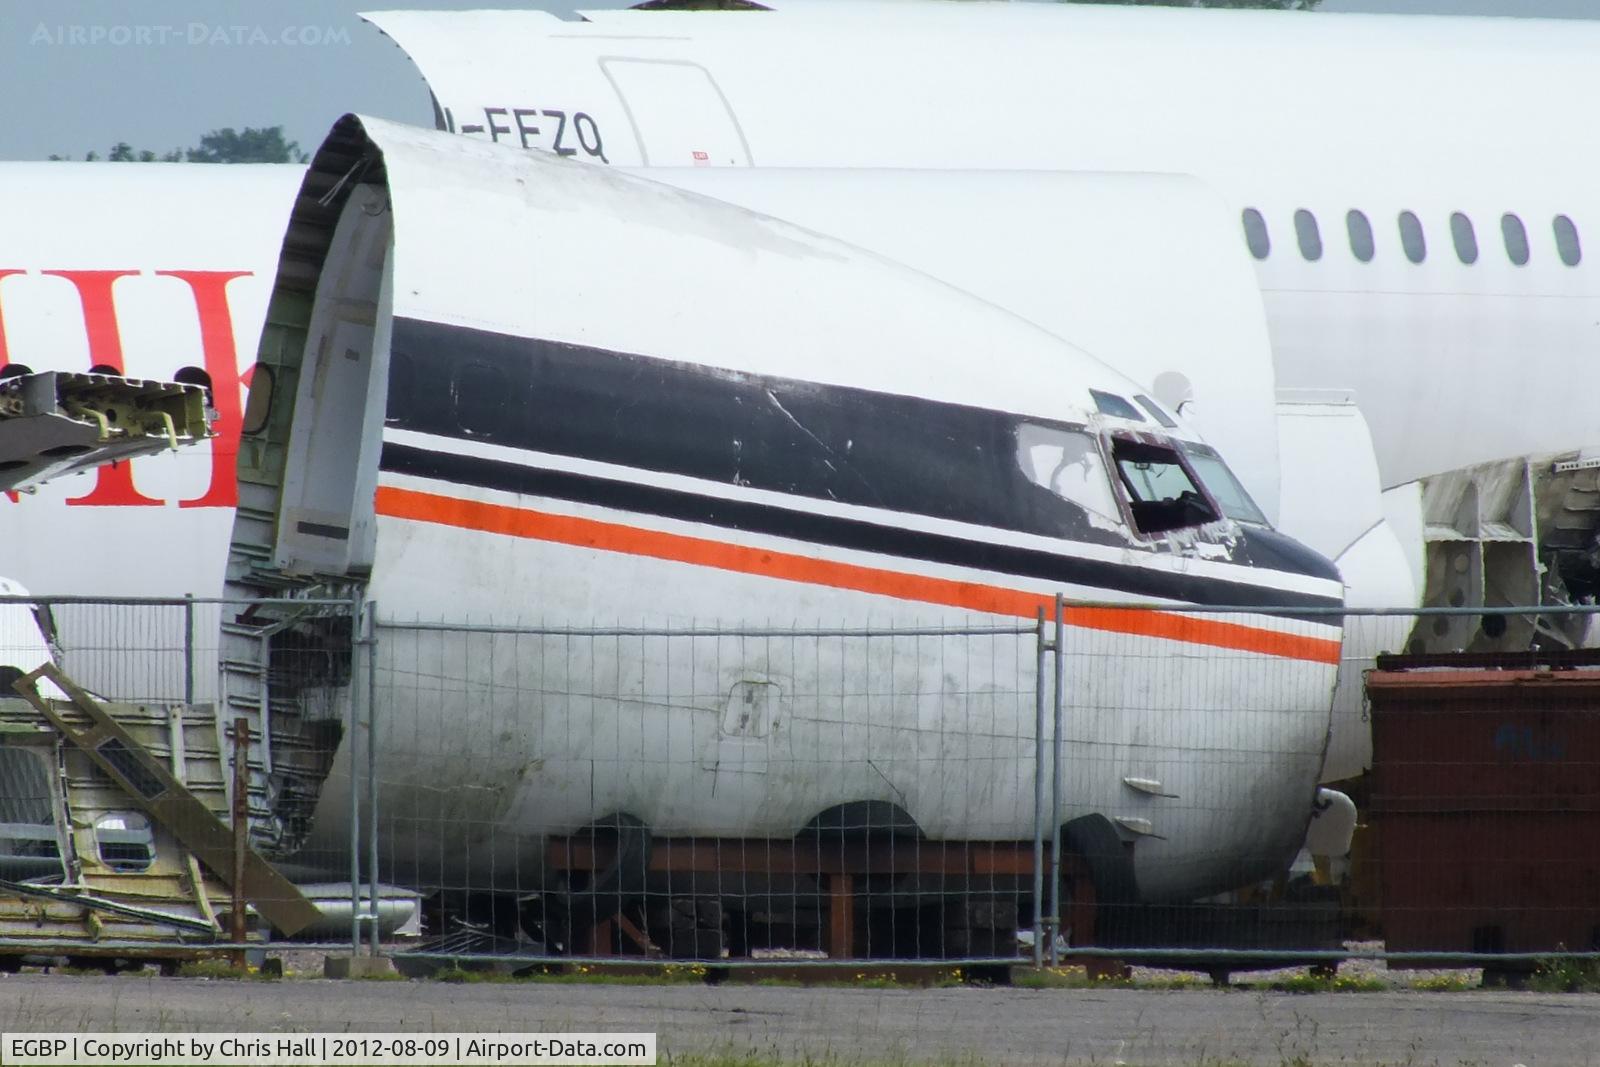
{"x":1413,"y":238}
{"x":125,"y":841}
{"x":1464,"y":237}
{"x":1257,"y":238}
{"x":1359,"y":229}
{"x":1153,"y":517}
{"x":1156,"y":411}
{"x":1233,"y":498}
{"x":1568,"y":245}
{"x":1099,"y":495}
{"x":1115,"y":405}
{"x":502,"y":412}
{"x":1515,"y":236}
{"x":1308,"y":235}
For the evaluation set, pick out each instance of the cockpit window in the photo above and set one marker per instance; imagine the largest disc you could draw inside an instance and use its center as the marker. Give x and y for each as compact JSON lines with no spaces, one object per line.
{"x":1115,"y":406}
{"x":1069,"y":464}
{"x":1155,"y":412}
{"x":1223,"y":486}
{"x":1162,"y":495}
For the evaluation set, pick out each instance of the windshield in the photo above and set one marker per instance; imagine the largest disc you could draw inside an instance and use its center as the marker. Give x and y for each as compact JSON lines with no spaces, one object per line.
{"x":1161,"y":495}
{"x":1225,"y":488}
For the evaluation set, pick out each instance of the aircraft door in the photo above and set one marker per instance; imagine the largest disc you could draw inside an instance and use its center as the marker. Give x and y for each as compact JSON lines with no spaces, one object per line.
{"x":330,"y":473}
{"x":680,"y":117}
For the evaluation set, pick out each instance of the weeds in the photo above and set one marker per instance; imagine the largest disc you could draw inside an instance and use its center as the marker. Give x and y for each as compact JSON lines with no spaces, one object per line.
{"x":1563,"y":974}
{"x":222,"y":969}
{"x":1318,"y":983}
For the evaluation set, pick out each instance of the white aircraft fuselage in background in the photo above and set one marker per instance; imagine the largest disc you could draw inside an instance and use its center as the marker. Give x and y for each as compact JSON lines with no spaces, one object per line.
{"x":1453,"y":363}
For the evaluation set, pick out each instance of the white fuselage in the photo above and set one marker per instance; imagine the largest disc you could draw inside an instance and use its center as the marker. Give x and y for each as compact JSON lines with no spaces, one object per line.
{"x":1452,"y":363}
{"x":680,"y":459}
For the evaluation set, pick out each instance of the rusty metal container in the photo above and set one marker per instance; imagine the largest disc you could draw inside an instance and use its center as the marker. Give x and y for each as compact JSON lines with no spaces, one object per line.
{"x":1486,"y":790}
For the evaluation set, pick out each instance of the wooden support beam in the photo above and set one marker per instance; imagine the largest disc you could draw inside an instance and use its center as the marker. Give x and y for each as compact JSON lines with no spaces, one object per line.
{"x":841,"y":916}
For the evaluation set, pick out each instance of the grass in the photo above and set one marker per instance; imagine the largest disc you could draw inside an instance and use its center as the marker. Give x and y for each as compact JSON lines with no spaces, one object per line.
{"x":222,"y":969}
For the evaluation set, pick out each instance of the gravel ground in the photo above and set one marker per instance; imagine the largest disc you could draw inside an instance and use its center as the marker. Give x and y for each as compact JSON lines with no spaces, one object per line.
{"x":843,"y":1027}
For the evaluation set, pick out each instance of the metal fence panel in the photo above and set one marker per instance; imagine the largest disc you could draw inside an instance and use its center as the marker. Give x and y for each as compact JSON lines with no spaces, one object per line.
{"x":1124,"y":782}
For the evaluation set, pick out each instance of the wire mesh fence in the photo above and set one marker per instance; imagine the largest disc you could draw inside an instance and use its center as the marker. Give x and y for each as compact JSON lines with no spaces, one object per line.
{"x":1214,"y":788}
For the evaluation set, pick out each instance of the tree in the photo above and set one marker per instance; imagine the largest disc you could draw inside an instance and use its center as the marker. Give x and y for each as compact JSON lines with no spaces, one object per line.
{"x":252,"y":145}
{"x":1273,"y":5}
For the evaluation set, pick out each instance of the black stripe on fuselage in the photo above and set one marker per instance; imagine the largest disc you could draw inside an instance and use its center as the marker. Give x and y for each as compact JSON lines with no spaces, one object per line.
{"x":855,"y":534}
{"x":889,"y":452}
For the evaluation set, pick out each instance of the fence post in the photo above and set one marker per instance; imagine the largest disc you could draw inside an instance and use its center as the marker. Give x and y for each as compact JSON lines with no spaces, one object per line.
{"x":1038,"y":794}
{"x":188,"y":648}
{"x":1055,"y":787}
{"x":372,"y":773}
{"x":353,"y":734}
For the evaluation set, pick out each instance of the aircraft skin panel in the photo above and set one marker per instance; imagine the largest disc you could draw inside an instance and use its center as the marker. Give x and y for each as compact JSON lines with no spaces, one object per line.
{"x":1468,"y":115}
{"x":1143,"y":270}
{"x":1282,"y":581}
{"x":656,"y":754}
{"x":153,"y":268}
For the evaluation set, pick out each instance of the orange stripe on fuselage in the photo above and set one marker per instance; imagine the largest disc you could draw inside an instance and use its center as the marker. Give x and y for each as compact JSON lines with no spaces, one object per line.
{"x":702,"y":552}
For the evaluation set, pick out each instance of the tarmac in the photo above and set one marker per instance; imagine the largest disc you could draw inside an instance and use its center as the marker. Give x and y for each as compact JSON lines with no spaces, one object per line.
{"x":848,"y":1026}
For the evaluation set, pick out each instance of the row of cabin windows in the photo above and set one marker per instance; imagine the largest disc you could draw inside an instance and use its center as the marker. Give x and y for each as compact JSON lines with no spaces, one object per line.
{"x":1413,"y":241}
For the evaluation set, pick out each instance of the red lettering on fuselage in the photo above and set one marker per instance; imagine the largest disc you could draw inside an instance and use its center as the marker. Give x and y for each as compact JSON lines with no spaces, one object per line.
{"x":210,"y":291}
{"x":5,"y":272}
{"x":114,"y":486}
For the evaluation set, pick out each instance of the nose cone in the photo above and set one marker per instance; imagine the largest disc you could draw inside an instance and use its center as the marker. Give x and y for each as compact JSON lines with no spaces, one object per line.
{"x":1274,"y":551}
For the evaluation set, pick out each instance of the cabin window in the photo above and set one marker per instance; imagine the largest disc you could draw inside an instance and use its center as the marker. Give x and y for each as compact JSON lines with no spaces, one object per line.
{"x":1114,"y":405}
{"x":1516,"y":236}
{"x":1162,"y":496}
{"x":1306,"y":232}
{"x":1411,"y":237}
{"x":196,"y":376}
{"x":1360,"y":230}
{"x":483,"y":400}
{"x":1255,"y":233}
{"x":1466,"y":240}
{"x":1067,"y":463}
{"x":125,"y":841}
{"x":1224,"y":488}
{"x":1567,"y":246}
{"x":1156,"y":412}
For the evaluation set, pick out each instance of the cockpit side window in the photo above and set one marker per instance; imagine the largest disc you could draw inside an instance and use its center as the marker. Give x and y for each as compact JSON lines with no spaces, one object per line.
{"x":1068,"y":463}
{"x":1161,"y":492}
{"x":1112,"y":404}
{"x":1223,"y":486}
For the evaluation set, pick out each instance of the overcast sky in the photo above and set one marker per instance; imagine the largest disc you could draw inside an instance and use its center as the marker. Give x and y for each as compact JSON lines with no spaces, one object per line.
{"x":69,"y":85}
